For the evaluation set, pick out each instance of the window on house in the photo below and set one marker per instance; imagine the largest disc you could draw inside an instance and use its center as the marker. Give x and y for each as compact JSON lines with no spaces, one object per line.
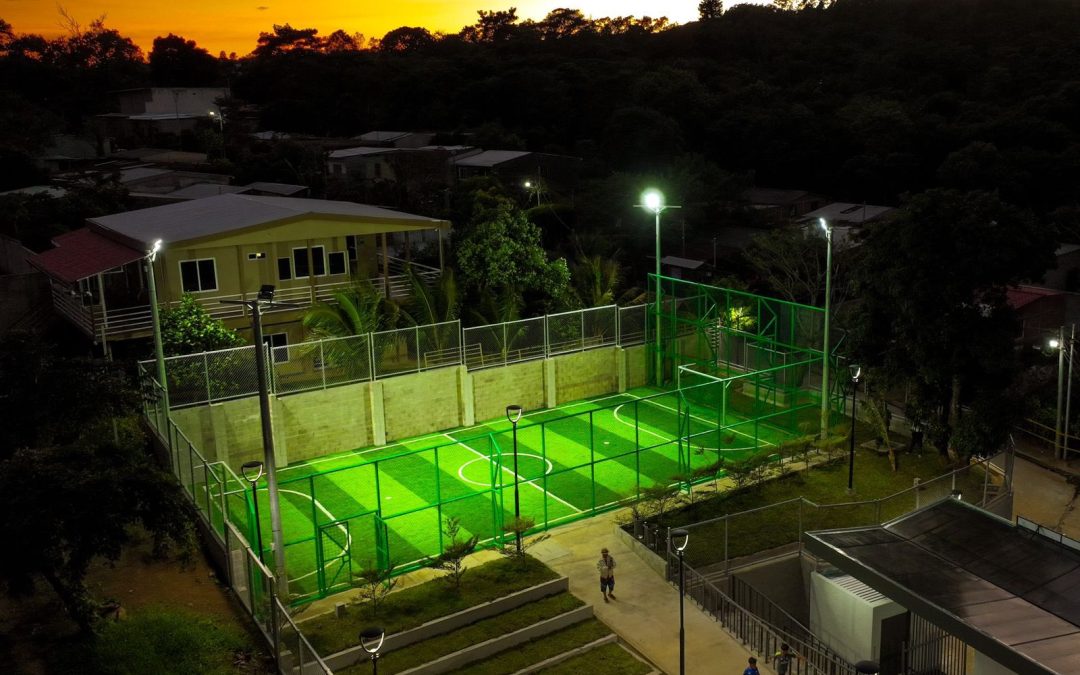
{"x":284,"y":269}
{"x":301,"y":267}
{"x":352,"y":243}
{"x":256,"y":256}
{"x":337,"y":262}
{"x":318,"y":261}
{"x":197,"y":276}
{"x":279,"y":346}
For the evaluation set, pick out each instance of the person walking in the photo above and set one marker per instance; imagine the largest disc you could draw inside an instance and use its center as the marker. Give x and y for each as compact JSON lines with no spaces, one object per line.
{"x":606,"y":567}
{"x":784,"y":659}
{"x":751,"y":669}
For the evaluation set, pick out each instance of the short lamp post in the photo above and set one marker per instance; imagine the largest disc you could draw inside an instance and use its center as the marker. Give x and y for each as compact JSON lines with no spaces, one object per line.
{"x":825,"y":347}
{"x":867,"y":668}
{"x":679,"y":539}
{"x":653,"y":200}
{"x":371,"y":641}
{"x":513,"y":413}
{"x":856,"y":373}
{"x":534,"y":189}
{"x":265,"y":299}
{"x":252,"y":472}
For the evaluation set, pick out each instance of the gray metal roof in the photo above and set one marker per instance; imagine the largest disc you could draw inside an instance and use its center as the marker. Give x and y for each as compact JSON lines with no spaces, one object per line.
{"x":203,"y":190}
{"x":383,"y":136}
{"x":1009,"y":593}
{"x":843,"y":212}
{"x":283,"y":189}
{"x":359,"y":151}
{"x":200,"y":218}
{"x":490,"y":158}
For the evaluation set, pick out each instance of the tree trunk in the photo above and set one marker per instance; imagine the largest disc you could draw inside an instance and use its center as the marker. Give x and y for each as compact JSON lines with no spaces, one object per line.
{"x":76,"y":601}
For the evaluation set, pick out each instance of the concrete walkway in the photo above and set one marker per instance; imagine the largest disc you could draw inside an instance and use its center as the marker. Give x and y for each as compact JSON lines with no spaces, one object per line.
{"x":645,"y":612}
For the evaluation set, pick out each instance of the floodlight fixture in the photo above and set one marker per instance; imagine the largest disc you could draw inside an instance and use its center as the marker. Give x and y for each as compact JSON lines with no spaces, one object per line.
{"x":528,"y":185}
{"x":266,"y":293}
{"x":856,"y":372}
{"x":867,"y":668}
{"x":824,"y":226}
{"x":1054,"y":343}
{"x":653,"y":200}
{"x":154,"y":249}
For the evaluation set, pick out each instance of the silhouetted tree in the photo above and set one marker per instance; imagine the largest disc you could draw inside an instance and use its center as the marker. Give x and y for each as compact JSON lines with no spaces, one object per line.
{"x":176,"y":62}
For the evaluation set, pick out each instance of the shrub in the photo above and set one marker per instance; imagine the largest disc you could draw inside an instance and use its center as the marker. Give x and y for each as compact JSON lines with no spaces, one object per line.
{"x":166,"y":641}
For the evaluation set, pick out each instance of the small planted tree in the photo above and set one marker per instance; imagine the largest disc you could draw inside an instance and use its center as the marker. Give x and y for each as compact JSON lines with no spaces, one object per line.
{"x":374,"y":585}
{"x":189,"y":329}
{"x":657,"y":499}
{"x":452,"y":559}
{"x":516,"y":527}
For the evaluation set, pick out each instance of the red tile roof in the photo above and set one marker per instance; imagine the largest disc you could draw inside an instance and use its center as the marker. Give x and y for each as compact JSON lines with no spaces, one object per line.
{"x":83,"y":253}
{"x":1025,"y":295}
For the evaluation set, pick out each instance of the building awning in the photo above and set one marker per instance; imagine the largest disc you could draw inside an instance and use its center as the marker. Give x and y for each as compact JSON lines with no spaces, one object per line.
{"x":1008,"y":592}
{"x":83,"y":253}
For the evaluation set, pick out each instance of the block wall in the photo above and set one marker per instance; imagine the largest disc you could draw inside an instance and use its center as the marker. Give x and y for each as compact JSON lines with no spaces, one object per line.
{"x":420,"y":403}
{"x":496,"y":388}
{"x":322,"y":422}
{"x":586,"y":374}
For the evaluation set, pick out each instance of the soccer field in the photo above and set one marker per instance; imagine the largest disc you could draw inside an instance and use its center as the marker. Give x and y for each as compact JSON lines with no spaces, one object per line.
{"x":373,"y":507}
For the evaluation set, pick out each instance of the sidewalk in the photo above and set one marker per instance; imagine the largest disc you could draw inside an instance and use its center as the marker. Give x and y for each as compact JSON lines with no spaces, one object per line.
{"x":646,"y":611}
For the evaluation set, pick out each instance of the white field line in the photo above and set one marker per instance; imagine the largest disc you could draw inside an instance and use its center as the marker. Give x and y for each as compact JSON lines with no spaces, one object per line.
{"x":519,"y":478}
{"x":699,"y":419}
{"x":348,"y":537}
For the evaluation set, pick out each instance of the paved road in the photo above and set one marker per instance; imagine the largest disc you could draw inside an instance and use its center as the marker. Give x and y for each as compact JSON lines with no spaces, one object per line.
{"x":1046,"y":497}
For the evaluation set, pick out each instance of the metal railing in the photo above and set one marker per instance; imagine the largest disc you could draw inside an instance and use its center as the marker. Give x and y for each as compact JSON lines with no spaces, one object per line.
{"x":209,"y":486}
{"x":226,"y":374}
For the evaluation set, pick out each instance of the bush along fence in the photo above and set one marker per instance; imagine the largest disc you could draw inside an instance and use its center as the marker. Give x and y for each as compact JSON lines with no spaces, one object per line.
{"x":757,"y":622}
{"x":209,"y":377}
{"x":206,"y":485}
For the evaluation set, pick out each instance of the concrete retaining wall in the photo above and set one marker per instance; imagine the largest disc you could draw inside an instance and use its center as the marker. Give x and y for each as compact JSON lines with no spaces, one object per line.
{"x":447,"y":624}
{"x":489,"y":648}
{"x":318,"y":423}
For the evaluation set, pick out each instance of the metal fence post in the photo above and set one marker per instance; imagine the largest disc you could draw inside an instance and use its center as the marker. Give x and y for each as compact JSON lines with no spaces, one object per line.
{"x":416,"y":330}
{"x":727,"y":564}
{"x":322,"y":361}
{"x":371,"y":356}
{"x":206,"y":373}
{"x":581,"y":318}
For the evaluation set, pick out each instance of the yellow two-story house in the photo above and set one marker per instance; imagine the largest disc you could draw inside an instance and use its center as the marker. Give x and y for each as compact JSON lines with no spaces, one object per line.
{"x":225,"y":248}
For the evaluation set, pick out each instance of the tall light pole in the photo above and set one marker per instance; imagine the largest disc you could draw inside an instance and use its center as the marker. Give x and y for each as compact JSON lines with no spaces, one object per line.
{"x":679,"y":539}
{"x":825,"y":346}
{"x":265,"y":298}
{"x":159,"y":351}
{"x":856,"y":371}
{"x":1061,"y":431}
{"x":653,"y":200}
{"x":252,"y":472}
{"x":513,"y":413}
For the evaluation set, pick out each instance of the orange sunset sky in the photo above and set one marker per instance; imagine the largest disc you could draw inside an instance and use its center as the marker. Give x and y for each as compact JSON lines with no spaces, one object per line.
{"x":234,"y":25}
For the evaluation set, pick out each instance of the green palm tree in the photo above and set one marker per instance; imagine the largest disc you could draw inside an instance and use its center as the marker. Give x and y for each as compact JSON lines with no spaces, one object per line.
{"x":431,"y":304}
{"x":596,"y":279}
{"x":354,"y":311}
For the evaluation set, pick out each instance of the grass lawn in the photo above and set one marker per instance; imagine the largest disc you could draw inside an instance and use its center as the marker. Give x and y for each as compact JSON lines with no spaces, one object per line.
{"x":513,"y":660}
{"x":609,"y":659}
{"x":503,"y":624}
{"x":823,"y":485}
{"x":414,"y":606}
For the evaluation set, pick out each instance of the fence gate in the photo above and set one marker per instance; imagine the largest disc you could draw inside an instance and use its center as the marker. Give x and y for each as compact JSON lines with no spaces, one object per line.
{"x":334,"y":553}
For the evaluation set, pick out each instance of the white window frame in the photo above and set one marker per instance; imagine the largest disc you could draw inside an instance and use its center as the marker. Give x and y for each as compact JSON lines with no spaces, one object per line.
{"x":345,"y":263}
{"x":255,"y":256}
{"x":196,"y":261}
{"x":292,"y":262}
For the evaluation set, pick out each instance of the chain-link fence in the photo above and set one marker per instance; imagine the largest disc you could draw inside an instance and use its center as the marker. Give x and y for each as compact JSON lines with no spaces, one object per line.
{"x":212,"y":377}
{"x":224,"y":506}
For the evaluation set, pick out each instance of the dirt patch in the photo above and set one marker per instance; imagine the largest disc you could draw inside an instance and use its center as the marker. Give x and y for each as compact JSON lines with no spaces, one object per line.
{"x":37,"y":638}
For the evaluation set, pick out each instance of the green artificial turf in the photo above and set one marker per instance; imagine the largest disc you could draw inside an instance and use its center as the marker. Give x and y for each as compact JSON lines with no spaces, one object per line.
{"x":411,"y":607}
{"x":573,"y":461}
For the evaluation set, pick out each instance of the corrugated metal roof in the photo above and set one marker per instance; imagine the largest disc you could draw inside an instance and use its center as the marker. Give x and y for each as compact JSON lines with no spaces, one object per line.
{"x":283,"y":189}
{"x":1007,"y":592}
{"x":216,"y":215}
{"x":204,"y":190}
{"x":490,"y":158}
{"x":83,"y":253}
{"x":360,"y":151}
{"x":842,"y":212}
{"x":383,"y":136}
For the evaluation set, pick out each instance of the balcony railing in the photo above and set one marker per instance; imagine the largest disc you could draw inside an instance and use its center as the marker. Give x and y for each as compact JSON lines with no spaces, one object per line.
{"x":129,"y":322}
